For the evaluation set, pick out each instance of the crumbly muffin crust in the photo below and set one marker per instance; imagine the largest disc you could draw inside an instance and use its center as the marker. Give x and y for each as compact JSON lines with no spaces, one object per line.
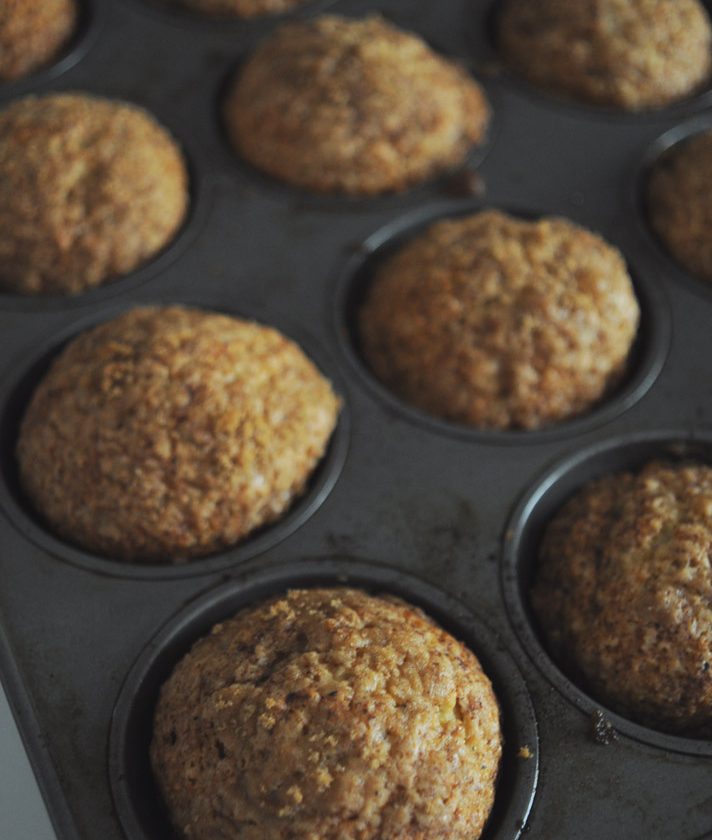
{"x":628,"y":54}
{"x":32,"y":34}
{"x":679,"y":203}
{"x":500,"y":323}
{"x":169,"y":433}
{"x":90,"y":188}
{"x":352,"y":106}
{"x":238,"y":8}
{"x":329,"y":714}
{"x":623,"y":594}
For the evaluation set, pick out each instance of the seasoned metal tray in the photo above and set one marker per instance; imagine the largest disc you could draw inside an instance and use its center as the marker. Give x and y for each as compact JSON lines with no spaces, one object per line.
{"x":446,"y":516}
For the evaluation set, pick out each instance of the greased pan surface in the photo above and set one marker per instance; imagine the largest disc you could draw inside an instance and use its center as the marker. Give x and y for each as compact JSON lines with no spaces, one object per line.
{"x":443,"y":515}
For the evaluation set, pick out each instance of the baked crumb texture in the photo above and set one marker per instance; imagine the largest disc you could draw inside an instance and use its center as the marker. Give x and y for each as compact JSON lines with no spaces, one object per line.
{"x":679,"y":203}
{"x":352,"y":106}
{"x":33,"y":33}
{"x":627,"y":54}
{"x":238,"y":8}
{"x":90,"y":189}
{"x":623,"y":594}
{"x":500,"y":323}
{"x":328,"y":714}
{"x":170,"y":433}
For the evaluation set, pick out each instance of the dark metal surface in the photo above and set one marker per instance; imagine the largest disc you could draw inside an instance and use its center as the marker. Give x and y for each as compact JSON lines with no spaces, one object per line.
{"x":442,"y":514}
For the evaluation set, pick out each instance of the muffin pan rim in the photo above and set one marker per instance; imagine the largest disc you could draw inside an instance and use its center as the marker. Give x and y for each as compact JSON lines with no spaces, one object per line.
{"x":35,"y":745}
{"x":18,"y":511}
{"x":629,"y":450}
{"x":218,"y":603}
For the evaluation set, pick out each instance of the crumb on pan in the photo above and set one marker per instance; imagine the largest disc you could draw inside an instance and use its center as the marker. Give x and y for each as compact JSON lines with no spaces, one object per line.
{"x":500,"y":323}
{"x":623,"y":594}
{"x":627,"y":54}
{"x":330,"y":714}
{"x":90,"y":189}
{"x":602,"y":730}
{"x":352,"y":106}
{"x":170,"y":433}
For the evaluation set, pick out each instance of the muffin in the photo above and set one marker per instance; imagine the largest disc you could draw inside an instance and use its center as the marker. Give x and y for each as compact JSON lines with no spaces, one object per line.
{"x":623,"y":594}
{"x":330,"y":714}
{"x":352,"y":106}
{"x":500,"y":323}
{"x":170,"y":433}
{"x":679,"y":203}
{"x":627,"y":54}
{"x":33,"y":33}
{"x":89,"y":190}
{"x":238,"y":8}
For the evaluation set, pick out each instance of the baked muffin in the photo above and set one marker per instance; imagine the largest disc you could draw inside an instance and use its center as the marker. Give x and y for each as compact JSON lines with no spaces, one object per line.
{"x":623,"y":594}
{"x":627,"y":54}
{"x":500,"y":323}
{"x":352,"y":106}
{"x":32,"y":33}
{"x":89,"y":190}
{"x":238,"y":8}
{"x":170,"y":433}
{"x":330,"y":714}
{"x":679,"y":203}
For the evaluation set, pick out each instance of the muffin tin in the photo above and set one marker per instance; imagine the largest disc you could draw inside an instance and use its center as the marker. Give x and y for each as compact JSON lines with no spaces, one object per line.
{"x":445,"y":516}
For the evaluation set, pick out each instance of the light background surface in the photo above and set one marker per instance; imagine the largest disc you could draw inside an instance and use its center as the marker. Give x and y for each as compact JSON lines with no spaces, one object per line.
{"x":23,"y":815}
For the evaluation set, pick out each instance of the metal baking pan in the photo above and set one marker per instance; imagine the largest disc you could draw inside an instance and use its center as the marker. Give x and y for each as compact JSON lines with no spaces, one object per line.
{"x":445,"y":516}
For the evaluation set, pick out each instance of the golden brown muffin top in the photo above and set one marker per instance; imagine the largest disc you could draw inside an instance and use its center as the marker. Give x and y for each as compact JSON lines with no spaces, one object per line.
{"x":32,"y":33}
{"x":628,"y":54}
{"x":169,"y":433}
{"x":355,"y":106}
{"x":500,"y":323}
{"x":331,"y":714}
{"x":90,"y":188}
{"x":679,"y":203}
{"x":623,"y":592}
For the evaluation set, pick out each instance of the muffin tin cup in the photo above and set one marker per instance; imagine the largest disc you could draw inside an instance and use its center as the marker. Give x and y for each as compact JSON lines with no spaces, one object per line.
{"x":452,"y":181}
{"x":92,"y":17}
{"x":136,"y":797}
{"x":637,"y":198}
{"x":523,"y":537}
{"x":647,"y":355}
{"x":198,"y":209}
{"x":695,"y":101}
{"x":17,"y":391}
